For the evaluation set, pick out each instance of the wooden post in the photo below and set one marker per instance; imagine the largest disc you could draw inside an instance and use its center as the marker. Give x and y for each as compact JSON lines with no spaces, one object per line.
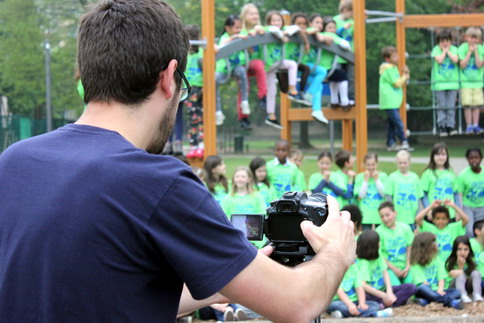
{"x":360,"y":83}
{"x":286,"y":124}
{"x":208,"y":34}
{"x":400,"y":29}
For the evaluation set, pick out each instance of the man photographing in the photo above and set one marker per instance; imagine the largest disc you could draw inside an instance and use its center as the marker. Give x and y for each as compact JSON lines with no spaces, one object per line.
{"x":95,"y":226}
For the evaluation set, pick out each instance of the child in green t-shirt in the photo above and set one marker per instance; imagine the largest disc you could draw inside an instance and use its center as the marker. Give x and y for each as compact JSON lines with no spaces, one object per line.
{"x":471,"y":56}
{"x":391,"y":96}
{"x":471,"y":186}
{"x":404,"y":190}
{"x":282,"y":174}
{"x":445,"y":82}
{"x":345,"y":27}
{"x":259,"y":173}
{"x":215,"y":179}
{"x":374,"y":275}
{"x":396,"y":240}
{"x":296,"y":157}
{"x":438,"y":180}
{"x":463,"y":270}
{"x":369,"y":186}
{"x":344,"y":177}
{"x":445,"y":231}
{"x":322,"y":181}
{"x":243,"y":199}
{"x":477,"y":245}
{"x":429,"y":273}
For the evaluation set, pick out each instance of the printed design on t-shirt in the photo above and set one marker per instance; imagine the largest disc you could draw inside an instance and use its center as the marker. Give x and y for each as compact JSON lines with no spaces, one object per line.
{"x":395,"y":248}
{"x":348,"y":286}
{"x":446,"y":68}
{"x":443,"y":188}
{"x":245,"y":208}
{"x":406,"y":196}
{"x":276,"y":54}
{"x":444,"y":242}
{"x":377,"y":278}
{"x":475,"y":192}
{"x":373,"y":197}
{"x":431,"y":274}
{"x":471,"y":69}
{"x":283,"y":184}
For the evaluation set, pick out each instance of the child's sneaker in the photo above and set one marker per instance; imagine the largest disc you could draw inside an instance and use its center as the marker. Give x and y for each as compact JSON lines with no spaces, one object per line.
{"x":452,"y":131}
{"x":219,"y":118}
{"x":336,"y":315}
{"x":443,"y":132}
{"x":457,"y":304}
{"x":240,"y":315}
{"x":229,"y":316}
{"x":405,"y":145}
{"x":244,"y":107}
{"x":319,"y":116}
{"x":470,"y":130}
{"x":199,"y":152}
{"x":273,"y":123}
{"x":387,"y":312}
{"x":308,"y":97}
{"x":465,"y":298}
{"x":422,"y":302}
{"x":392,"y":147}
{"x":296,"y":97}
{"x":262,"y":104}
{"x":477,"y":297}
{"x":478,"y":130}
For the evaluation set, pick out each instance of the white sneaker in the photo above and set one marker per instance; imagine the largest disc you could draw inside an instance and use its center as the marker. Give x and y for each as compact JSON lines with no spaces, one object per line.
{"x":219,"y":118}
{"x":336,"y":315}
{"x":478,"y":298}
{"x":308,"y":97}
{"x":465,"y":298}
{"x":229,"y":316}
{"x":244,"y":107}
{"x":405,"y":145}
{"x":240,"y":315}
{"x":387,"y":312}
{"x":319,"y":116}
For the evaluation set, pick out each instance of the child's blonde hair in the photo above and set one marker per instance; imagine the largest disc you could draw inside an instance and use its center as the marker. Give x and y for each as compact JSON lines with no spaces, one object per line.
{"x":243,"y":14}
{"x":295,"y":152}
{"x":250,"y":184}
{"x":474,"y":32}
{"x":345,"y":5}
{"x":403,"y":154}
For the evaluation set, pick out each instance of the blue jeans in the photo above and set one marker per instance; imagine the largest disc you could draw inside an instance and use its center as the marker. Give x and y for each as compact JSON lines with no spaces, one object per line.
{"x":373,"y":307}
{"x":424,"y":291}
{"x":395,"y":127}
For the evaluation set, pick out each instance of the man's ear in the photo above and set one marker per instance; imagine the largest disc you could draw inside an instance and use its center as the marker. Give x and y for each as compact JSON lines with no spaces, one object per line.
{"x":167,"y":79}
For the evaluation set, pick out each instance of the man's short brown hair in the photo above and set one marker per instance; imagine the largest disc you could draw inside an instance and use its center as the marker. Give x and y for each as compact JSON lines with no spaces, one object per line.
{"x":123,"y":45}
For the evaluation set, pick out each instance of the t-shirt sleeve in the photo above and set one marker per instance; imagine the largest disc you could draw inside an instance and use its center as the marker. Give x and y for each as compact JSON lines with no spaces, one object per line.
{"x":441,"y":272}
{"x":363,"y":269}
{"x":425,"y":181}
{"x":191,"y":232}
{"x":388,"y":188}
{"x":436,"y":51}
{"x":418,"y":185}
{"x":408,"y":235}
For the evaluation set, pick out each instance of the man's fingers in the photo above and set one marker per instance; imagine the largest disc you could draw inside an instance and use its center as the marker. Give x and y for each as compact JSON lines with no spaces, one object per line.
{"x":267,"y":250}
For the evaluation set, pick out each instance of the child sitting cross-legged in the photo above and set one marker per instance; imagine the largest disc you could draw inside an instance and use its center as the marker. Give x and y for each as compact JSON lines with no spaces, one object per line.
{"x":374,"y":274}
{"x":477,"y":245}
{"x":429,"y":274}
{"x":445,"y":231}
{"x":463,"y":274}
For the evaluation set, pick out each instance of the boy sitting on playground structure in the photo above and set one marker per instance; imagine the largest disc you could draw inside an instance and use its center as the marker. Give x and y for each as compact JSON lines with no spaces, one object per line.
{"x":391,"y":96}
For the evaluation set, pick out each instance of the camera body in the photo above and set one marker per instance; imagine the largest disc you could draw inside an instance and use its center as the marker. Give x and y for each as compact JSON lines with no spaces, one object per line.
{"x":281,"y":225}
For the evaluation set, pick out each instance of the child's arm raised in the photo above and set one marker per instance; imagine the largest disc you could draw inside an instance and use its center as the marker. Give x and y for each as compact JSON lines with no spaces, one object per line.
{"x":420,"y":216}
{"x":458,"y":211}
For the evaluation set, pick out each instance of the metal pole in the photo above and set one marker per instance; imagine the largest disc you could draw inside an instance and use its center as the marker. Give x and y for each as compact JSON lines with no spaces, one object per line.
{"x":48,"y":98}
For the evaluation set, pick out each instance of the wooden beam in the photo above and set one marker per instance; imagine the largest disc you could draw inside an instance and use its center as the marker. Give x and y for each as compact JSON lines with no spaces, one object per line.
{"x":208,"y":33}
{"x":360,"y":86}
{"x":400,"y":30}
{"x":446,"y":20}
{"x":304,"y":114}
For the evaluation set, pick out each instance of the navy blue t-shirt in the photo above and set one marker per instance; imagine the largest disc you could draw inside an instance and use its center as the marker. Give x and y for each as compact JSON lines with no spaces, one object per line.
{"x":95,"y":229}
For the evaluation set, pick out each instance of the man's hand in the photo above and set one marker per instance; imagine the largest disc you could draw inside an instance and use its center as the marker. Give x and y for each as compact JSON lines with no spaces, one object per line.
{"x":335,"y":235}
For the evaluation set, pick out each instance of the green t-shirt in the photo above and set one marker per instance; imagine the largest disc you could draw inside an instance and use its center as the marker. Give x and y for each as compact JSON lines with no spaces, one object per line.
{"x":273,"y":52}
{"x":389,"y":97}
{"x":265,"y":192}
{"x":311,"y":56}
{"x":394,"y":243}
{"x":445,"y":236}
{"x":471,"y":185}
{"x":194,"y":71}
{"x":445,"y":76}
{"x":235,"y":59}
{"x":346,"y":34}
{"x":431,"y":273}
{"x":300,"y":183}
{"x":314,"y":181}
{"x":370,"y":203}
{"x":405,"y":192}
{"x":340,"y":179}
{"x":254,"y":52}
{"x":281,"y":177}
{"x":351,"y":281}
{"x":471,"y":77}
{"x":478,"y":250}
{"x":440,"y":185}
{"x":220,"y":192}
{"x":371,"y":271}
{"x":327,"y":58}
{"x":245,"y":204}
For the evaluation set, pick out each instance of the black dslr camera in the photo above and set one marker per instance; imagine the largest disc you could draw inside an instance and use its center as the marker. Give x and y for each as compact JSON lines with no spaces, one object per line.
{"x":281,"y":225}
